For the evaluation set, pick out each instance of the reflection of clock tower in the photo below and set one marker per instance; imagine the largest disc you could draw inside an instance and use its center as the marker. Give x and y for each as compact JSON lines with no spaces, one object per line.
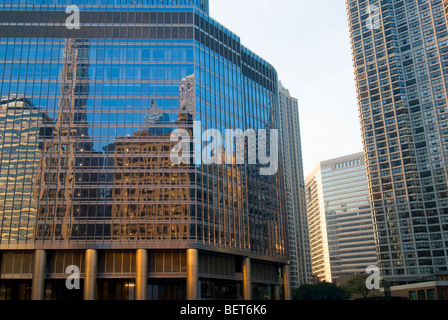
{"x":68,"y":153}
{"x":187,"y":108}
{"x":186,"y":112}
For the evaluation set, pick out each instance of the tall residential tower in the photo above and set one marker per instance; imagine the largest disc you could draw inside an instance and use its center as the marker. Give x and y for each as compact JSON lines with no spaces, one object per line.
{"x":299,"y":242}
{"x":400,"y":56}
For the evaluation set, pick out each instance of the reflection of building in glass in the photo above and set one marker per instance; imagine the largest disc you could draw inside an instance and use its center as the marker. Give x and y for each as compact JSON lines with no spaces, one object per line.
{"x":152,"y":197}
{"x":340,"y":218}
{"x":153,"y":203}
{"x":108,"y":197}
{"x":21,"y":124}
{"x":299,"y":242}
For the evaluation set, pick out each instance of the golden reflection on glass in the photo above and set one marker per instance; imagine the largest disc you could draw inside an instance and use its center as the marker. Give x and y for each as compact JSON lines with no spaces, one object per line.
{"x":151,"y":198}
{"x":20,"y":123}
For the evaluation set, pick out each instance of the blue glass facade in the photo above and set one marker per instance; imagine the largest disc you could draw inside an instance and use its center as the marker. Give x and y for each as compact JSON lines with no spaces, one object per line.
{"x":86,"y":121}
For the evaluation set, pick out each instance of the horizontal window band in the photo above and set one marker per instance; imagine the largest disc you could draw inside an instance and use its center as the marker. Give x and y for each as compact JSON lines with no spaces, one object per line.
{"x":91,"y":32}
{"x":149,"y":17}
{"x":125,"y":25}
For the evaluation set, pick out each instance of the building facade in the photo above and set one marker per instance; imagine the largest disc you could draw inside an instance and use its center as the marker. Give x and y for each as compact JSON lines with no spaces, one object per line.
{"x":400,"y":52}
{"x":88,"y":115}
{"x":299,"y":241}
{"x":429,"y":288}
{"x":340,"y":218}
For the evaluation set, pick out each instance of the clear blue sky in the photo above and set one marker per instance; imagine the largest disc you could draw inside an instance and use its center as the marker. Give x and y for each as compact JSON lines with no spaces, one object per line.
{"x":307,"y":41}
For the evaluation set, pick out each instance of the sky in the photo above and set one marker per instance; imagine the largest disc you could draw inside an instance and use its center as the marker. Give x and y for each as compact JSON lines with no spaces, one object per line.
{"x":307,"y":41}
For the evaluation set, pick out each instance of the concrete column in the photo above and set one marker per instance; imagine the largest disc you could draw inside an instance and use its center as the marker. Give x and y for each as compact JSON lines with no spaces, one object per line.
{"x":247,"y":279}
{"x":141,"y":274}
{"x":277,"y":293}
{"x":287,"y":295}
{"x":192,"y":274}
{"x":90,"y":272}
{"x":39,"y":274}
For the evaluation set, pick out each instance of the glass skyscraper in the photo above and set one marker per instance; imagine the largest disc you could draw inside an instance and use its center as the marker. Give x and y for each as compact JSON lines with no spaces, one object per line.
{"x":340,"y":219}
{"x":87,"y":118}
{"x":400,"y":55}
{"x":299,"y":241}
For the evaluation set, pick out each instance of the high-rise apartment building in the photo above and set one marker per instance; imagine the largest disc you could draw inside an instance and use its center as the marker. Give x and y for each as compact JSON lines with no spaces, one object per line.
{"x":340,"y":219}
{"x":299,"y":242}
{"x":87,"y":118}
{"x":400,"y":56}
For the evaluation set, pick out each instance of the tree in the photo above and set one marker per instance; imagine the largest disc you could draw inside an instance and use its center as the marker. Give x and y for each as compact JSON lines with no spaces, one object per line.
{"x":357,"y":286}
{"x":320,"y":291}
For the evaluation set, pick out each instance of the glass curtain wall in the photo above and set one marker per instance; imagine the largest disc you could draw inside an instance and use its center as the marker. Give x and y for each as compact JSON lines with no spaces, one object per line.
{"x":104,"y":103}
